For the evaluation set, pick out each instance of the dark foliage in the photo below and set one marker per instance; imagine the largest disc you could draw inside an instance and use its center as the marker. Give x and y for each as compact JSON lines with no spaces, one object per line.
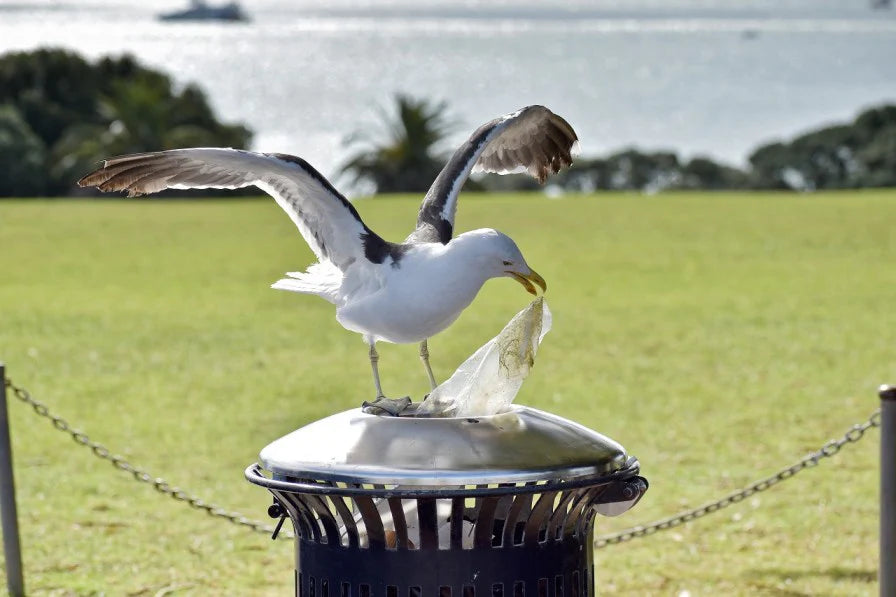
{"x":22,"y":155}
{"x":632,"y":170}
{"x":860,"y":154}
{"x":855,"y":155}
{"x":61,"y":115}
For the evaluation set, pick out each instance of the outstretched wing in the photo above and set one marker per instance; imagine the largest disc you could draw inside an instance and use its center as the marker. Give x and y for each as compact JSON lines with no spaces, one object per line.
{"x":329,"y":223}
{"x":533,"y":140}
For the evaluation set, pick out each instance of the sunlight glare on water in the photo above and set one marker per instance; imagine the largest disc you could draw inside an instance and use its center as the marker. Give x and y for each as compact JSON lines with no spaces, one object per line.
{"x":710,"y":77}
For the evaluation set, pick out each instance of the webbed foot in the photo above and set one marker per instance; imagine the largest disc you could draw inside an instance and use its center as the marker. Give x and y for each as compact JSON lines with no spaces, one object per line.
{"x":386,"y":406}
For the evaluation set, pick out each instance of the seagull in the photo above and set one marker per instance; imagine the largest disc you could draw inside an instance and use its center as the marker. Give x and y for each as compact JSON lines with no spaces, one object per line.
{"x":392,"y":292}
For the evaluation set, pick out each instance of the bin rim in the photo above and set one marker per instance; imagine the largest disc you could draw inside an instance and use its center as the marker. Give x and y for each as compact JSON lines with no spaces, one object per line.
{"x":255,"y":474}
{"x":519,"y":446}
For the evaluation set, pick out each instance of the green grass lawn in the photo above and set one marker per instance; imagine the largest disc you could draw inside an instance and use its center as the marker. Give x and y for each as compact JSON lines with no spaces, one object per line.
{"x":718,"y":337}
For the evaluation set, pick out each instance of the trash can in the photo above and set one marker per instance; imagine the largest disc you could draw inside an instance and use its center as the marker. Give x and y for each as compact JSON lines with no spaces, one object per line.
{"x":493,"y":506}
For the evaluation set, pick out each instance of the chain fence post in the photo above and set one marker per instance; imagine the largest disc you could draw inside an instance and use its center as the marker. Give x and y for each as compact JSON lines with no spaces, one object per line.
{"x":11,"y":547}
{"x":887,"y":572}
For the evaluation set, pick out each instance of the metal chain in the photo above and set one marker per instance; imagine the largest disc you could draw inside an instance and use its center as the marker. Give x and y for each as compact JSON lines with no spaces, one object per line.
{"x":831,"y":448}
{"x":138,"y":473}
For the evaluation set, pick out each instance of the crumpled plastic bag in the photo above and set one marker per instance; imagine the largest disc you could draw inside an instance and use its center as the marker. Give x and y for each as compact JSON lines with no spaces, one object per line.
{"x":488,"y":381}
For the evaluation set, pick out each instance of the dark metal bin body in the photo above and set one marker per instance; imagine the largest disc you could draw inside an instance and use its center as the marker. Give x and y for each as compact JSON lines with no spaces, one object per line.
{"x":490,"y":506}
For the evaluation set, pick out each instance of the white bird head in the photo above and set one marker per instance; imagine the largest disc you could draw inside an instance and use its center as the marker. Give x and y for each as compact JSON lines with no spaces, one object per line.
{"x":498,"y":256}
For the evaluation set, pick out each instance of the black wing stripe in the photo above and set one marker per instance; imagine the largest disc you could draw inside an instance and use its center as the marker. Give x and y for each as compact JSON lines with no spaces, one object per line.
{"x":376,"y":249}
{"x":532,"y":140}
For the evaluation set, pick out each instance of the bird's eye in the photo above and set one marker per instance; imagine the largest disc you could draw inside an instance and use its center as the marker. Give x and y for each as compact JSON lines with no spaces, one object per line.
{"x":507,"y":262}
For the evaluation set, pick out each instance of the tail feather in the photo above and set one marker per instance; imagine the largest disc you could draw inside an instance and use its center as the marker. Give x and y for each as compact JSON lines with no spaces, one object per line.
{"x":321,"y":279}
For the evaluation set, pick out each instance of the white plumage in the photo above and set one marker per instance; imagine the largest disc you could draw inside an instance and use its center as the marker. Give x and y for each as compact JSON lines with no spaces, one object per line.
{"x":394,"y":292}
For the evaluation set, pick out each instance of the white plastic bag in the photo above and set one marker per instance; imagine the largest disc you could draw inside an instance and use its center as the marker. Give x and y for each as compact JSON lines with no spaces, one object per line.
{"x":488,"y":381}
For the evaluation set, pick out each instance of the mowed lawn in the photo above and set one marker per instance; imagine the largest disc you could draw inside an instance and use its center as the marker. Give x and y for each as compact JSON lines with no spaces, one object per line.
{"x":718,"y":337}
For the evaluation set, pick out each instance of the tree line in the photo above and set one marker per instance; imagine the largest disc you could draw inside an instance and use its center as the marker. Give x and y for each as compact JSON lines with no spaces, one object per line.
{"x":60,"y":115}
{"x":858,"y":154}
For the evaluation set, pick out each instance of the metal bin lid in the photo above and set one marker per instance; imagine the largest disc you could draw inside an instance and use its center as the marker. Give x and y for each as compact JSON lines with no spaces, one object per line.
{"x":522,"y":445}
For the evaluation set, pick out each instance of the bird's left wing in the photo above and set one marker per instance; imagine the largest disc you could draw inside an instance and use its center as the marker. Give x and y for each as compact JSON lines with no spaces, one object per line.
{"x":533,"y":140}
{"x":329,"y":223}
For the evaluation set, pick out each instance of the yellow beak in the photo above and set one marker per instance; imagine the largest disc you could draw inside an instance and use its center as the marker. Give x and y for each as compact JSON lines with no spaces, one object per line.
{"x":527,"y":279}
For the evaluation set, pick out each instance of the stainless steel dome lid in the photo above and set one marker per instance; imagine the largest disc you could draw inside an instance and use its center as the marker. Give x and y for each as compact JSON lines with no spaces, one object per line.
{"x":522,"y":445}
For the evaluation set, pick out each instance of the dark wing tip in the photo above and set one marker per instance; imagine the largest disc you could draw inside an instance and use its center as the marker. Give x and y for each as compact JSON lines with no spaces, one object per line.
{"x":88,"y":180}
{"x":536,"y":141}
{"x":533,"y":139}
{"x":125,"y":173}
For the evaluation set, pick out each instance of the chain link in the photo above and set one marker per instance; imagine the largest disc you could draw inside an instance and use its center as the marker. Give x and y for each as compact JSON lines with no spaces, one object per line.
{"x":138,"y":473}
{"x":831,"y":448}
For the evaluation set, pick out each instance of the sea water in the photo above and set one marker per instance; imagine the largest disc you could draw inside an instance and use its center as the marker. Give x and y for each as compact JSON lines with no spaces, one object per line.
{"x":711,"y":77}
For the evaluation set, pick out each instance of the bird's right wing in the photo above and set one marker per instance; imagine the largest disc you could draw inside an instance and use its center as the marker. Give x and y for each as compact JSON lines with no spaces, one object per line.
{"x":533,"y":140}
{"x":329,"y":223}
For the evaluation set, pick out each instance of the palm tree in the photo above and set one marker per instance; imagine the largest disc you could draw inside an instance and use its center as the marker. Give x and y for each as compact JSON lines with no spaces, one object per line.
{"x":404,"y":159}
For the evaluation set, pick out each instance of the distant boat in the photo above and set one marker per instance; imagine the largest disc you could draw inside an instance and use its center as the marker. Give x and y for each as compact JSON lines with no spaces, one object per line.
{"x":200,"y":11}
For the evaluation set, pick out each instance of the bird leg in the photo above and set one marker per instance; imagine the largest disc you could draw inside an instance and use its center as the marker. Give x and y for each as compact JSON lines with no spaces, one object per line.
{"x":424,"y":356}
{"x":382,"y":405}
{"x":374,"y":359}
